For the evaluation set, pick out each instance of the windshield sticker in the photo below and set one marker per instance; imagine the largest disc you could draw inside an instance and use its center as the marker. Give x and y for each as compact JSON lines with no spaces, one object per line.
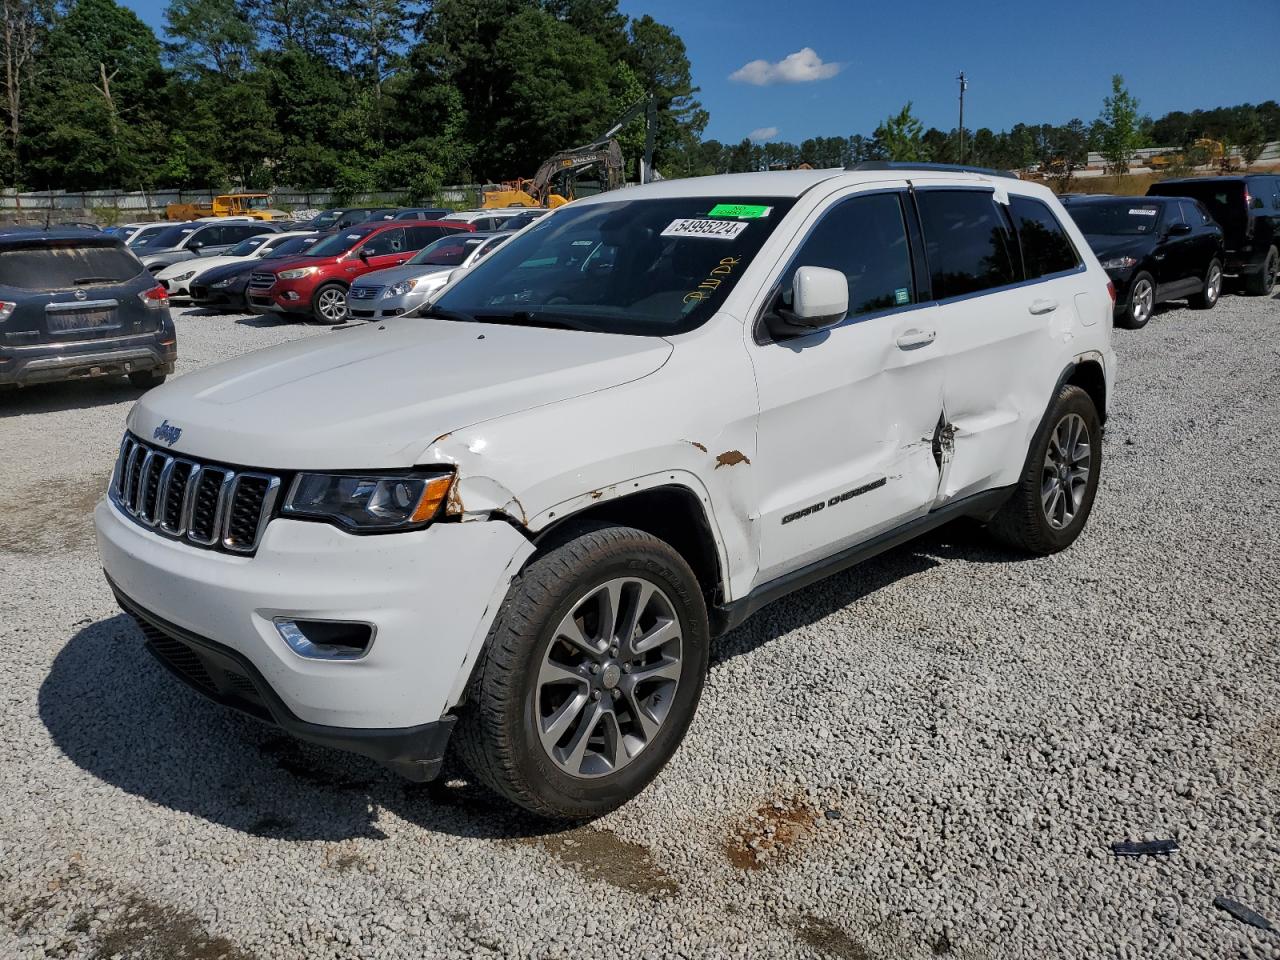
{"x":354,"y":236}
{"x":742,"y":211}
{"x":1142,"y":211}
{"x":901,"y":296}
{"x":707,"y":229}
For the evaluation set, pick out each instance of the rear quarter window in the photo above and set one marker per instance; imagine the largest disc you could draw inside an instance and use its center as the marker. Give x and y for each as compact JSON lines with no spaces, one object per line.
{"x":58,"y":266}
{"x":1046,"y":248}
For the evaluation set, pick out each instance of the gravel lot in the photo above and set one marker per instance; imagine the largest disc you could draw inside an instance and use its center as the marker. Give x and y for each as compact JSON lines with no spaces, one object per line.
{"x":926,"y":756}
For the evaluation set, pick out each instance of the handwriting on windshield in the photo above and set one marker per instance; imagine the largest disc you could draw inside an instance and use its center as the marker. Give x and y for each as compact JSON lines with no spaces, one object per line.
{"x":712,"y":283}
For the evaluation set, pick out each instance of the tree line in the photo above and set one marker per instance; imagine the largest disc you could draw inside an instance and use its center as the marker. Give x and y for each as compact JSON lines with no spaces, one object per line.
{"x":356,"y":95}
{"x":364,"y":95}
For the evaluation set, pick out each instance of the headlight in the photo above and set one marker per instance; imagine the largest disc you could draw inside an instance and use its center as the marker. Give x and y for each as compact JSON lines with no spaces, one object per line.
{"x":369,"y":502}
{"x":1119,"y":263}
{"x":185,"y":276}
{"x":222,"y":283}
{"x":296,"y":274}
{"x":399,"y":289}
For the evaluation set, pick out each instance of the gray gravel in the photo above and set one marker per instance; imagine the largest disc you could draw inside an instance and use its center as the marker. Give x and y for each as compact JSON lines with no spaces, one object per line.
{"x":927,"y":756}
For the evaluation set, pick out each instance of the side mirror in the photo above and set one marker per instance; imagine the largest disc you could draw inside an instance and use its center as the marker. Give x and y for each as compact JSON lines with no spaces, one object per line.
{"x":1179,"y":230}
{"x":363,"y":254}
{"x":819,"y":299}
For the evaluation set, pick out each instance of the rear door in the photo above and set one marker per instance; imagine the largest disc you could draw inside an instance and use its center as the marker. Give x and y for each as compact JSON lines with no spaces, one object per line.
{"x":995,"y":326}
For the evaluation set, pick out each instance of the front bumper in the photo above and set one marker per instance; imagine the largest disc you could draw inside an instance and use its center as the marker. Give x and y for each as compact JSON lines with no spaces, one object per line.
{"x":116,"y":356}
{"x":284,"y":296}
{"x":390,"y":306}
{"x":431,"y":594}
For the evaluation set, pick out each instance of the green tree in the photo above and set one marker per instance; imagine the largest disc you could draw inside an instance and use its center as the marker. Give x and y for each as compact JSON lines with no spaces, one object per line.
{"x":1117,"y":128}
{"x":901,"y":137}
{"x":1250,"y":136}
{"x":24,"y":28}
{"x":209,"y":36}
{"x":659,"y":59}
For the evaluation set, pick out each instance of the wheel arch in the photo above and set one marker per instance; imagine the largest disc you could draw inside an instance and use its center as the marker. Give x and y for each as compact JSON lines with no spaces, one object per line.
{"x":1087,"y":373}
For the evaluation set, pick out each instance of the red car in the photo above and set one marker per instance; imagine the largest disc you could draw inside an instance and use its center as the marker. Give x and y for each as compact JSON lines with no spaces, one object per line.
{"x":316,"y":283}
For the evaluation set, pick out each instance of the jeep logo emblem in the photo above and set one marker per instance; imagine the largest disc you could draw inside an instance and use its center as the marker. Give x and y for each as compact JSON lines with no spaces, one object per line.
{"x":167,"y":433}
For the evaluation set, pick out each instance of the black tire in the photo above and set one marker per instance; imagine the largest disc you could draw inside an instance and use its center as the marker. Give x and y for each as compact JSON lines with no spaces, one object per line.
{"x":1023,"y":522}
{"x":320,"y":300}
{"x":146,"y":379}
{"x":497,"y":736}
{"x":1210,"y":290}
{"x":1260,"y":284}
{"x":1135,"y":315}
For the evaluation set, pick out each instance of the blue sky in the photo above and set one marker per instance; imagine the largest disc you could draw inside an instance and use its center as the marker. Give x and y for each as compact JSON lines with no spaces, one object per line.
{"x":1026,"y":61}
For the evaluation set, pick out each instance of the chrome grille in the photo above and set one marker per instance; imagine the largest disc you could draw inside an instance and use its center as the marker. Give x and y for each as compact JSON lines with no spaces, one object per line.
{"x":261,"y":279}
{"x":208,"y":505}
{"x":363,"y":293}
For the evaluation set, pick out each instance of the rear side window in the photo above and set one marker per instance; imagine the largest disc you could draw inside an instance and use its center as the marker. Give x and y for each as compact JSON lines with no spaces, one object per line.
{"x":966,"y":240}
{"x":58,"y":266}
{"x":1046,"y":248}
{"x":864,"y":238}
{"x":419,"y":237}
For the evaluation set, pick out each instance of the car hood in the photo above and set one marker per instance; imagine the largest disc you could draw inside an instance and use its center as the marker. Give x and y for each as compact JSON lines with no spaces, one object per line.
{"x":1106,"y":247}
{"x":385,"y":278}
{"x":198,"y":264}
{"x":376,"y":396}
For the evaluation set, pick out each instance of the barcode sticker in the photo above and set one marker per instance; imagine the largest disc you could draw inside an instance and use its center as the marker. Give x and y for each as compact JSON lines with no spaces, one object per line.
{"x":707,"y":229}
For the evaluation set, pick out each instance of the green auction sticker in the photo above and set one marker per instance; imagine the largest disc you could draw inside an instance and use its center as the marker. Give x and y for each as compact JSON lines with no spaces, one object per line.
{"x":742,"y":211}
{"x":901,"y":296}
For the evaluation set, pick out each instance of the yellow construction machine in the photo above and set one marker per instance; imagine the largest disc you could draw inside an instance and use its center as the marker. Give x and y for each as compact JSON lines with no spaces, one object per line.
{"x":255,"y":205}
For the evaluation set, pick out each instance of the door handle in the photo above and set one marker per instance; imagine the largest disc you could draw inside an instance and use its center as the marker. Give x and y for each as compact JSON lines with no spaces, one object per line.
{"x":914,"y":339}
{"x":1043,"y":306}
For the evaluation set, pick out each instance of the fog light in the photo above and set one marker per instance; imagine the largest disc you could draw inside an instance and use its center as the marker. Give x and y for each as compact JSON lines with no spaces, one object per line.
{"x":326,"y":639}
{"x":291,"y":295}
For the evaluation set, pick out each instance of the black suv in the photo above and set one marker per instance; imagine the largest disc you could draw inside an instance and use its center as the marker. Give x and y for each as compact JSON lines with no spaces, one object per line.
{"x":78,"y":304}
{"x":1154,"y":249}
{"x":1248,"y":209}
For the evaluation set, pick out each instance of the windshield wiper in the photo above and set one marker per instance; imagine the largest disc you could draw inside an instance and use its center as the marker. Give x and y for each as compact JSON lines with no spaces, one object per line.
{"x":457,"y":316}
{"x":533,"y":318}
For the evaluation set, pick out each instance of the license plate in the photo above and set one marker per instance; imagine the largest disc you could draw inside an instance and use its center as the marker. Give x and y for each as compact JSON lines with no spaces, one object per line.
{"x":65,"y":321}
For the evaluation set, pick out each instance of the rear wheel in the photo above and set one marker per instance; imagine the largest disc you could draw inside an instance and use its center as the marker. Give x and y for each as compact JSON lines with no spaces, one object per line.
{"x":590,"y":676}
{"x":1261,"y":283}
{"x":146,"y":379}
{"x":1054,"y":497}
{"x":1208,"y":295}
{"x":329,"y":305}
{"x":1142,"y":300}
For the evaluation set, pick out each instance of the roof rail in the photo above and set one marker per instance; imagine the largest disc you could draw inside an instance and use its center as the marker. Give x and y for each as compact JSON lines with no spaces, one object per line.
{"x":939,"y":167}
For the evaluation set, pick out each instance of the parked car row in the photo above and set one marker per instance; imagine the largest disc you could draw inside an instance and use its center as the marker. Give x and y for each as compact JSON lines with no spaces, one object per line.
{"x":1184,"y":240}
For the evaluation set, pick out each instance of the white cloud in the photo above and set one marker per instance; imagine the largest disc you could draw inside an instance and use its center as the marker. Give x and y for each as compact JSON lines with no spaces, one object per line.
{"x":803,"y":66}
{"x":761,"y":134}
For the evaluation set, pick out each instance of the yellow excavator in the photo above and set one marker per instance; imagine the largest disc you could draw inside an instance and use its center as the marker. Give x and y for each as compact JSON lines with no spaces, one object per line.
{"x":552,"y":185}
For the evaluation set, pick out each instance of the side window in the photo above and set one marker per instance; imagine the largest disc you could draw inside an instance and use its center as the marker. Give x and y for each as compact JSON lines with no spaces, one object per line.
{"x":236,"y":234}
{"x":208,"y":237}
{"x":381,"y":244}
{"x":418,"y":237}
{"x":966,"y":241}
{"x":1172,"y":215}
{"x":1201,"y":213}
{"x":865,"y":238}
{"x":1190,"y":214}
{"x":1046,"y":248}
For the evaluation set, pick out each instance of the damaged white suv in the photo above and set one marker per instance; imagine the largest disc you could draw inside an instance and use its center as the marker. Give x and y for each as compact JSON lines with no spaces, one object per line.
{"x":513,"y":524}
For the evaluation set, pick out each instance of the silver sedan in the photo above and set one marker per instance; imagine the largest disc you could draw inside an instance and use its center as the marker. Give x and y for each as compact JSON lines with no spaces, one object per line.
{"x":391,"y":292}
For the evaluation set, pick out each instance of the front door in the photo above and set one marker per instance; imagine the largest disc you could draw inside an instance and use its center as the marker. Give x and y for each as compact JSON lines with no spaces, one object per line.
{"x":848,"y":415}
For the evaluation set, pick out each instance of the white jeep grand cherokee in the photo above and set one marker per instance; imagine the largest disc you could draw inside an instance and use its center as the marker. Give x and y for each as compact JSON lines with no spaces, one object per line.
{"x":514,"y":523}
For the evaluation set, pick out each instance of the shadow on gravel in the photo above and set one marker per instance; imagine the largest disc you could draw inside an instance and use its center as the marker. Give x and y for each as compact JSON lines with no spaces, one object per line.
{"x":66,"y":395}
{"x":266,"y":320}
{"x":121,"y":717}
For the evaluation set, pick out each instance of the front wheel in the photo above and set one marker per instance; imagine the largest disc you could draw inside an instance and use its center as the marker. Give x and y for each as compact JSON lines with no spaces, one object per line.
{"x":329,"y":306}
{"x":1053,"y":498}
{"x":1209,"y":293}
{"x":1261,"y":283}
{"x":590,"y":675}
{"x":1142,"y":301}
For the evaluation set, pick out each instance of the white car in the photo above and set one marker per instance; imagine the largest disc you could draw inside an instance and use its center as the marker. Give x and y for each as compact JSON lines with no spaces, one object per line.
{"x":511,"y":526}
{"x":177,"y":277}
{"x":397,"y":290}
{"x":486,"y":220}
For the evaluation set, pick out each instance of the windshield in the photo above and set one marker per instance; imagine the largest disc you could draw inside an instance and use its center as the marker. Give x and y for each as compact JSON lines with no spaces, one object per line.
{"x":520,"y":221}
{"x":448,"y":251}
{"x":145,"y":236}
{"x":326,"y":219}
{"x":644,"y":267}
{"x":291,"y":247}
{"x":1127,"y":218}
{"x":338,"y":244}
{"x":246,"y":247}
{"x":168,"y":237}
{"x":257,"y":203}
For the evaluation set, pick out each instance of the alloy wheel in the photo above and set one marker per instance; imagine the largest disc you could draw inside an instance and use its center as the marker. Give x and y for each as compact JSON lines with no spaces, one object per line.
{"x":332,"y":305}
{"x":1065,"y":476}
{"x":1214,"y":285}
{"x":1144,"y":297}
{"x":608,"y":677}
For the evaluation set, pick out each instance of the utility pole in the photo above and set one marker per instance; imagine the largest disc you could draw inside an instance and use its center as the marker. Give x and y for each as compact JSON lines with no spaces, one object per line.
{"x":964,"y":85}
